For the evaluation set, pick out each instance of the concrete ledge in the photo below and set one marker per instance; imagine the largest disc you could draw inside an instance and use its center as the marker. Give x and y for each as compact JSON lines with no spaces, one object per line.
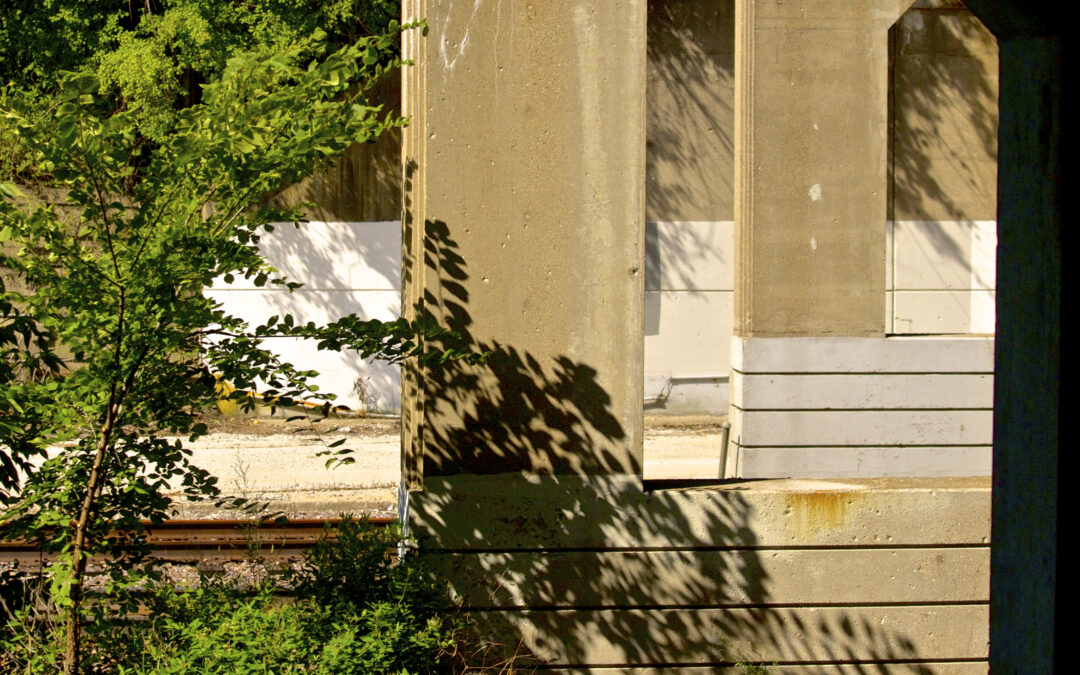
{"x":506,"y":512}
{"x":813,"y":391}
{"x":712,"y":578}
{"x":872,"y":428}
{"x":850,"y":407}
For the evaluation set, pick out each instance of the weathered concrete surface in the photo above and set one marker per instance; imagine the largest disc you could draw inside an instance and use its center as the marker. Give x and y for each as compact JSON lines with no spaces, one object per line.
{"x":810,"y":178}
{"x":770,"y":635}
{"x":526,"y":243}
{"x":690,"y":113}
{"x":524,"y":217}
{"x":944,"y":122}
{"x":595,"y":570}
{"x":861,"y":407}
{"x":515,"y":511}
{"x":785,"y":577}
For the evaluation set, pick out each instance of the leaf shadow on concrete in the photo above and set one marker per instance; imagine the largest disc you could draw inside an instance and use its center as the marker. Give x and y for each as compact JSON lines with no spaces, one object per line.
{"x":689,"y":159}
{"x":943,"y":127}
{"x":533,"y":508}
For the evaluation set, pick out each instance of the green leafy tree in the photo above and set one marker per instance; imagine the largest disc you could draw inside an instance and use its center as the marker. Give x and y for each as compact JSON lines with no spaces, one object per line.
{"x":109,"y":348}
{"x":151,"y":56}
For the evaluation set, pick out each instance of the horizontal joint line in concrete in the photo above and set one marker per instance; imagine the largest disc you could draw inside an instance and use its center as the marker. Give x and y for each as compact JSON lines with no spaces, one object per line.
{"x":706,"y":549}
{"x":819,"y":373}
{"x":937,"y":289}
{"x":873,"y":445}
{"x":697,"y":665}
{"x":306,"y":289}
{"x":731,"y":605}
{"x":689,"y":222}
{"x":894,"y":409}
{"x":684,"y":289}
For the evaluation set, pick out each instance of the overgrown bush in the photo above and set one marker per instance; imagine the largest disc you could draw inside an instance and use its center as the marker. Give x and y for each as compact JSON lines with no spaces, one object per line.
{"x":351,"y":607}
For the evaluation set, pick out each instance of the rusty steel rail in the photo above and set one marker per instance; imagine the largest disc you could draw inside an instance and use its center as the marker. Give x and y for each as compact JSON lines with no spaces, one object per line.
{"x":192,"y":541}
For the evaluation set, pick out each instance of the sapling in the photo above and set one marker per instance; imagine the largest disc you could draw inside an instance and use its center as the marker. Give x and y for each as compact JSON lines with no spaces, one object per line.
{"x":109,"y":350}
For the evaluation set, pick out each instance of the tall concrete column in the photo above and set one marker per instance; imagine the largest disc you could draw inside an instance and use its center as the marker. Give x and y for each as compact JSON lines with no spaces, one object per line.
{"x":817,"y":388}
{"x":524,"y":229}
{"x":810,"y":183}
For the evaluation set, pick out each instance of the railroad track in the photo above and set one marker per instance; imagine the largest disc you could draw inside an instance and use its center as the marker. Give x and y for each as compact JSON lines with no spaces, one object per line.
{"x":195,"y":541}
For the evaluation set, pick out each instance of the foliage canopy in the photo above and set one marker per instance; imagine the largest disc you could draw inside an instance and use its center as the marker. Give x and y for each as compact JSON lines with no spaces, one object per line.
{"x":152,"y":56}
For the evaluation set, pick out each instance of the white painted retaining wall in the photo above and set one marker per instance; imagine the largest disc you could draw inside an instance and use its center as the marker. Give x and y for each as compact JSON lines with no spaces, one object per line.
{"x":346,"y":268}
{"x":689,"y":311}
{"x":940,"y":276}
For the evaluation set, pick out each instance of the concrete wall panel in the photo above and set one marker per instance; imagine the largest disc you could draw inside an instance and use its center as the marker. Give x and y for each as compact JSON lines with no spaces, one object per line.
{"x":944,"y":116}
{"x":811,"y":634}
{"x":690,"y":110}
{"x":860,"y":407}
{"x":514,"y":512}
{"x":340,"y":373}
{"x":692,"y":333}
{"x":900,"y":391}
{"x":792,"y":428}
{"x":689,"y":255}
{"x":861,"y":461}
{"x":944,"y":255}
{"x":323,"y":256}
{"x":956,"y":312}
{"x":932,"y":354}
{"x":702,"y":578}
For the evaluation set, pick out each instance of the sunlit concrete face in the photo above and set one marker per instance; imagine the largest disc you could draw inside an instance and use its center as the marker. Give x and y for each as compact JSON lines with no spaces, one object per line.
{"x":530,"y":157}
{"x":810,"y":167}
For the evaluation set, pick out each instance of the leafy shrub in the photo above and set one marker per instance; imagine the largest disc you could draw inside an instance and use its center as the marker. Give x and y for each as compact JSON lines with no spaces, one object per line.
{"x":354,"y":608}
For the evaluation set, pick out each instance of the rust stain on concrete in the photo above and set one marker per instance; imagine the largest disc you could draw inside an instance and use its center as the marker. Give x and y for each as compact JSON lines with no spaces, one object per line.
{"x":816,"y":511}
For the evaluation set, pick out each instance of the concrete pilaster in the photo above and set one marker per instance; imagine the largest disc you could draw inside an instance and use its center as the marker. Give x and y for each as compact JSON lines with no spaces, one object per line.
{"x":810,"y":178}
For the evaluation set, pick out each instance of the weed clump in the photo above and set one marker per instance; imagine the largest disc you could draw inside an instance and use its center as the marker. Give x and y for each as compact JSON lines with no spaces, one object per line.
{"x":352,"y":606}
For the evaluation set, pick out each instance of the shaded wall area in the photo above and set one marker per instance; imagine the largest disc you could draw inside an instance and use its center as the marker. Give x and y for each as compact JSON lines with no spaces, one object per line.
{"x":689,"y":166}
{"x":942,"y":218}
{"x":800,"y":577}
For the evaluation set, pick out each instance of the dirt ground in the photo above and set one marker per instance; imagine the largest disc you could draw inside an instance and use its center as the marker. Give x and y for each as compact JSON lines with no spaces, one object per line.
{"x":273,"y":461}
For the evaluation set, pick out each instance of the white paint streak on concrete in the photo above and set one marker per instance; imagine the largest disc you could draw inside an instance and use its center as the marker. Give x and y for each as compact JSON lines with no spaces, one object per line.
{"x":444,"y":48}
{"x":815,"y":192}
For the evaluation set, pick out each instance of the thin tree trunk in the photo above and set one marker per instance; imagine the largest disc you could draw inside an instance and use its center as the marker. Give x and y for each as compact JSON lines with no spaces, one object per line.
{"x":73,"y":620}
